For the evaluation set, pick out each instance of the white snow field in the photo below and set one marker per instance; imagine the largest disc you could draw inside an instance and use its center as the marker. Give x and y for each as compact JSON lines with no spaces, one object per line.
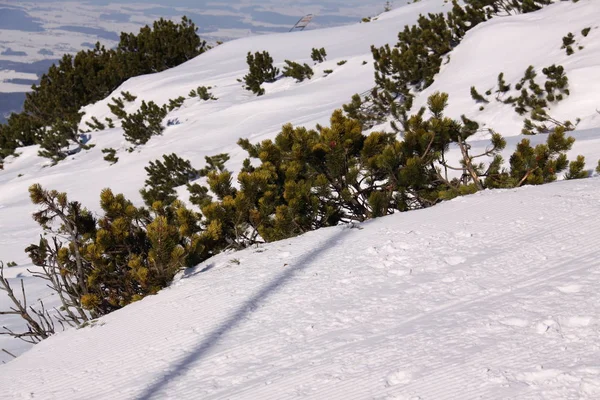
{"x":485,"y":297}
{"x":491,"y":296}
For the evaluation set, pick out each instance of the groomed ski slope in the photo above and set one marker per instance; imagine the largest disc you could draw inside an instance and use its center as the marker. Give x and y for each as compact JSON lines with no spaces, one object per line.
{"x":490,"y":296}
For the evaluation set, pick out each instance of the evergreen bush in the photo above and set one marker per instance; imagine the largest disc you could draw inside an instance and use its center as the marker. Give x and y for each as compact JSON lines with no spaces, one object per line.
{"x":261,"y":71}
{"x":297,"y":71}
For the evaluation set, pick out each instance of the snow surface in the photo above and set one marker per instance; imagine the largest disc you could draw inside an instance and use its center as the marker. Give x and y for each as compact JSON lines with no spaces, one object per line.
{"x":487,"y":296}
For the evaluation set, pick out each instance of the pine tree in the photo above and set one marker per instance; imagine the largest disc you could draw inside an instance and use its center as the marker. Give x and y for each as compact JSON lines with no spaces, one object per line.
{"x":57,"y":139}
{"x":164,"y":176}
{"x":478,"y":97}
{"x":140,"y":126}
{"x":261,"y":71}
{"x":297,"y":71}
{"x":110,"y":155}
{"x":577,"y":169}
{"x":318,"y":55}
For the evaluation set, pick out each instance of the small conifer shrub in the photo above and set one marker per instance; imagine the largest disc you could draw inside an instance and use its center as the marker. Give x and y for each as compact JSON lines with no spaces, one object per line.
{"x":117,"y":107}
{"x":567,"y":42}
{"x":202,"y":92}
{"x":140,"y":126}
{"x":585,"y":31}
{"x":297,"y":71}
{"x":477,"y":96}
{"x":128,"y":97}
{"x":261,"y":71}
{"x":95,"y":124}
{"x":175,"y":103}
{"x":110,"y":155}
{"x":340,"y":63}
{"x":577,"y":169}
{"x":164,"y":176}
{"x":318,"y":55}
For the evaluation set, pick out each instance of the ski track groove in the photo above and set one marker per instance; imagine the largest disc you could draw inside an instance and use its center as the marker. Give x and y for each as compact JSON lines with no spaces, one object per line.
{"x":307,"y":365}
{"x":530,"y":281}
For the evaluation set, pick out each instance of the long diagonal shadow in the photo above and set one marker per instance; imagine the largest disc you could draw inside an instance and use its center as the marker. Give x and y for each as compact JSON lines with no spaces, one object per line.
{"x":238,"y":316}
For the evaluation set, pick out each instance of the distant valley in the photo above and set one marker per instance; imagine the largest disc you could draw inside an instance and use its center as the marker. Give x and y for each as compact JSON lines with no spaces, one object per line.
{"x":35,"y":35}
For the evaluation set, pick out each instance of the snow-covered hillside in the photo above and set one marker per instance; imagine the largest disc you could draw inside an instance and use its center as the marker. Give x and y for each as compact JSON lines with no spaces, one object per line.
{"x":487,"y":296}
{"x":510,"y":45}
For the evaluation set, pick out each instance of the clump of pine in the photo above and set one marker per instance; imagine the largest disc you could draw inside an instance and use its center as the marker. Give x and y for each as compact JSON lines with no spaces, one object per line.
{"x":567,"y":42}
{"x":261,"y":71}
{"x":577,"y":169}
{"x":202,"y":92}
{"x":164,"y":176}
{"x":110,"y":155}
{"x":477,"y":96}
{"x":318,"y":55}
{"x":140,"y":126}
{"x":300,"y":72}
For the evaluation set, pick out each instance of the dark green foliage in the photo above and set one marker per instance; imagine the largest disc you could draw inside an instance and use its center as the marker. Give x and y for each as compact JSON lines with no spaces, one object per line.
{"x":128,"y":97}
{"x":175,"y":103}
{"x":140,"y":126}
{"x":556,"y":83}
{"x":110,"y":155}
{"x":502,"y":86}
{"x":318,"y":55}
{"x":91,"y":75}
{"x":535,"y":99}
{"x":417,"y":57}
{"x":96,"y":125}
{"x":261,"y":71}
{"x":11,"y":264}
{"x":117,"y":107}
{"x":477,"y":97}
{"x":300,"y":181}
{"x":327,"y":71}
{"x":57,"y":138}
{"x":164,"y":45}
{"x":567,"y":42}
{"x":110,"y":122}
{"x":585,"y":31}
{"x":202,"y":92}
{"x":342,"y":62}
{"x":577,"y":169}
{"x":214,"y":164}
{"x":297,"y":71}
{"x":164,"y":176}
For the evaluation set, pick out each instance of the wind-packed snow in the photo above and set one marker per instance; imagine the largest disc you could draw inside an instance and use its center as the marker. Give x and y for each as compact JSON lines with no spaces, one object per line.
{"x":488,"y":296}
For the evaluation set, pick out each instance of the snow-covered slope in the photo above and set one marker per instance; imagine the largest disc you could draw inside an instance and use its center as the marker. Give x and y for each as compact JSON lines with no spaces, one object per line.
{"x":490,"y":296}
{"x":510,"y":45}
